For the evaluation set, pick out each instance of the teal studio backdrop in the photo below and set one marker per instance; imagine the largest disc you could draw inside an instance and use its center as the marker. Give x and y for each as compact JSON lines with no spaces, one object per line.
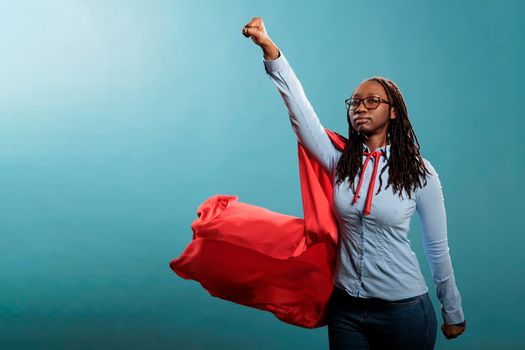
{"x":118,"y":118}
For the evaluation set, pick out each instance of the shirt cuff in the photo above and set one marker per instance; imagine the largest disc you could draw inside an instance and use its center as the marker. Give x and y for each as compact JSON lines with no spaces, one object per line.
{"x":450,"y":299}
{"x":453,"y":317}
{"x":276,"y":65}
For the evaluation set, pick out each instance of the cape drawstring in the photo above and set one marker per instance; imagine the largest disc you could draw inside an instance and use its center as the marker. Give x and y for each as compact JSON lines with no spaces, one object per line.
{"x":368,"y":204}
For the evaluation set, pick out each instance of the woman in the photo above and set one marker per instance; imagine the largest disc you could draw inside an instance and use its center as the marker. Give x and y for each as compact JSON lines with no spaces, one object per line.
{"x":380,"y":298}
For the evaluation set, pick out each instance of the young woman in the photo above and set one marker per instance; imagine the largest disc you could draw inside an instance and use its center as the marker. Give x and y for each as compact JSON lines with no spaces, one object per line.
{"x":380,"y":297}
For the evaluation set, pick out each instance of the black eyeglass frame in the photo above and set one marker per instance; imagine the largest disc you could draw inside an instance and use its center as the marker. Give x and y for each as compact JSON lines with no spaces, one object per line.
{"x":363,"y":100}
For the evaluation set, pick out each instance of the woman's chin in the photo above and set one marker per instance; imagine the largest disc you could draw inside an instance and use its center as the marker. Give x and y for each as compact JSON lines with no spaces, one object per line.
{"x":362,"y":129}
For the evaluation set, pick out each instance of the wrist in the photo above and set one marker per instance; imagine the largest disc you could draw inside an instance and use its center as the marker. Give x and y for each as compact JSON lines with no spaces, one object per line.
{"x":270,"y":50}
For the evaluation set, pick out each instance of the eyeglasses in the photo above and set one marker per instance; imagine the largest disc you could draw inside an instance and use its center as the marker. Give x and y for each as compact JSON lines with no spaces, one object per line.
{"x":371,"y":102}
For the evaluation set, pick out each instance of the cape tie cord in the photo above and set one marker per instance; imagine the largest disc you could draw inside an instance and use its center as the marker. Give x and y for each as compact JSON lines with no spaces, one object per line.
{"x":368,"y":203}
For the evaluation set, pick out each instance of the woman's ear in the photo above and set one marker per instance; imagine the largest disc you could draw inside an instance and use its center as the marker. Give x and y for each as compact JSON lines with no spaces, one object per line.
{"x":392,"y":113}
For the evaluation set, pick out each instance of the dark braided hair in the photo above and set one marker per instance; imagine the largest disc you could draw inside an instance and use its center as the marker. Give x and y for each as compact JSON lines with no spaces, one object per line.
{"x":406,"y":170}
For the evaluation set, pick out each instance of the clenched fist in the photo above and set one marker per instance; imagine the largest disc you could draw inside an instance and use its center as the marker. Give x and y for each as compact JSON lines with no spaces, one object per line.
{"x":452,"y":331}
{"x":257,"y":32}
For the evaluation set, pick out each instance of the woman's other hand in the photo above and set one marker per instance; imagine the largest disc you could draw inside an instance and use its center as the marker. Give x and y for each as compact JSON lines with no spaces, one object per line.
{"x":452,"y":331}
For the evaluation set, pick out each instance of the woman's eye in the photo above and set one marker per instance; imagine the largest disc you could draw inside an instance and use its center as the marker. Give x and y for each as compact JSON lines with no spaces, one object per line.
{"x":372,"y":100}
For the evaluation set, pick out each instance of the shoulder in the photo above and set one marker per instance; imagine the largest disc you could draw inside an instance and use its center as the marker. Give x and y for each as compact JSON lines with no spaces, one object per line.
{"x":430,"y":169}
{"x":431,"y":181}
{"x":431,"y":174}
{"x":430,"y":192}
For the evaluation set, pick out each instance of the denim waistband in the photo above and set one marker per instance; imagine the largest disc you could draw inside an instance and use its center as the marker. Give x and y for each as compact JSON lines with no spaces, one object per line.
{"x":375,"y":301}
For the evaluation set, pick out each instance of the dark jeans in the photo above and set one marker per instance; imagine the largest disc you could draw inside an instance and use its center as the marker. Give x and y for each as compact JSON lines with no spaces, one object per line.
{"x":358,"y":323}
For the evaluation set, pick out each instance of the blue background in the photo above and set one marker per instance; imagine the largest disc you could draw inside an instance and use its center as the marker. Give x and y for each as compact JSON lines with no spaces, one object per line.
{"x":118,"y":118}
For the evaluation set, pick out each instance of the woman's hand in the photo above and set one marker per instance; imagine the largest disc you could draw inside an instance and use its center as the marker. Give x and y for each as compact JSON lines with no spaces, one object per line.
{"x":452,"y":331}
{"x":257,"y":32}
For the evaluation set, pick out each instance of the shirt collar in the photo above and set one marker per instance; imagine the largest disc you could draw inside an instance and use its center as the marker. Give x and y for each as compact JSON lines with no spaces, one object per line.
{"x":385,"y":149}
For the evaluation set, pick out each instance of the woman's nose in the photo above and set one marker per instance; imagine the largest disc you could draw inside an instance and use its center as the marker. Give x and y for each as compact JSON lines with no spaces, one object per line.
{"x":361,"y":108}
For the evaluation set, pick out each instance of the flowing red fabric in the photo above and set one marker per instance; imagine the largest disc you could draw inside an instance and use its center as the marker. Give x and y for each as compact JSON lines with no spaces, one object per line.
{"x":270,"y":261}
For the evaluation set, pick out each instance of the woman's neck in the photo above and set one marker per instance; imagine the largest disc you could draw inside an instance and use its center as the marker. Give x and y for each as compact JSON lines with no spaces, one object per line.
{"x":374,"y":142}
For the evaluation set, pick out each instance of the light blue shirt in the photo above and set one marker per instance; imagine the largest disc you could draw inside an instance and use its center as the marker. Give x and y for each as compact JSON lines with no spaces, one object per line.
{"x":374,"y":256}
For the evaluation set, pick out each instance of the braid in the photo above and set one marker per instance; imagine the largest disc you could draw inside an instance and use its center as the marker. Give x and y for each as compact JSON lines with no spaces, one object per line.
{"x":406,"y":169}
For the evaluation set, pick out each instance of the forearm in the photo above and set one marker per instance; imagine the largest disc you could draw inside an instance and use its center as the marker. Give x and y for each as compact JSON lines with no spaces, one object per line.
{"x":437,"y":251}
{"x":270,"y":50}
{"x":448,"y":295}
{"x":305,"y":123}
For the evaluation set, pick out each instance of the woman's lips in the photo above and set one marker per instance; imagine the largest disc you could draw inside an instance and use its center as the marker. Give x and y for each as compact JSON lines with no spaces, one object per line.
{"x":361,"y":120}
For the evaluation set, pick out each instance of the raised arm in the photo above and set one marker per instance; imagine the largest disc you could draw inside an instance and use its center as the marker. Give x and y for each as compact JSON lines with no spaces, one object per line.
{"x":305,"y":123}
{"x":431,"y":210}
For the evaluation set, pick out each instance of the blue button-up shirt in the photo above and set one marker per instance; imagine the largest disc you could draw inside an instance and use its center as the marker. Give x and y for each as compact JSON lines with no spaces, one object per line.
{"x":374,"y":256}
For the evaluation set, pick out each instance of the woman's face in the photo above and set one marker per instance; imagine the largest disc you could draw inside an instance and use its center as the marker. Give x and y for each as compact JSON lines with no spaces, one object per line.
{"x":370,"y":121}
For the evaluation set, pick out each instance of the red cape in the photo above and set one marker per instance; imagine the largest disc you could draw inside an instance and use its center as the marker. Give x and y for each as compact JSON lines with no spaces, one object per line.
{"x":255,"y":257}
